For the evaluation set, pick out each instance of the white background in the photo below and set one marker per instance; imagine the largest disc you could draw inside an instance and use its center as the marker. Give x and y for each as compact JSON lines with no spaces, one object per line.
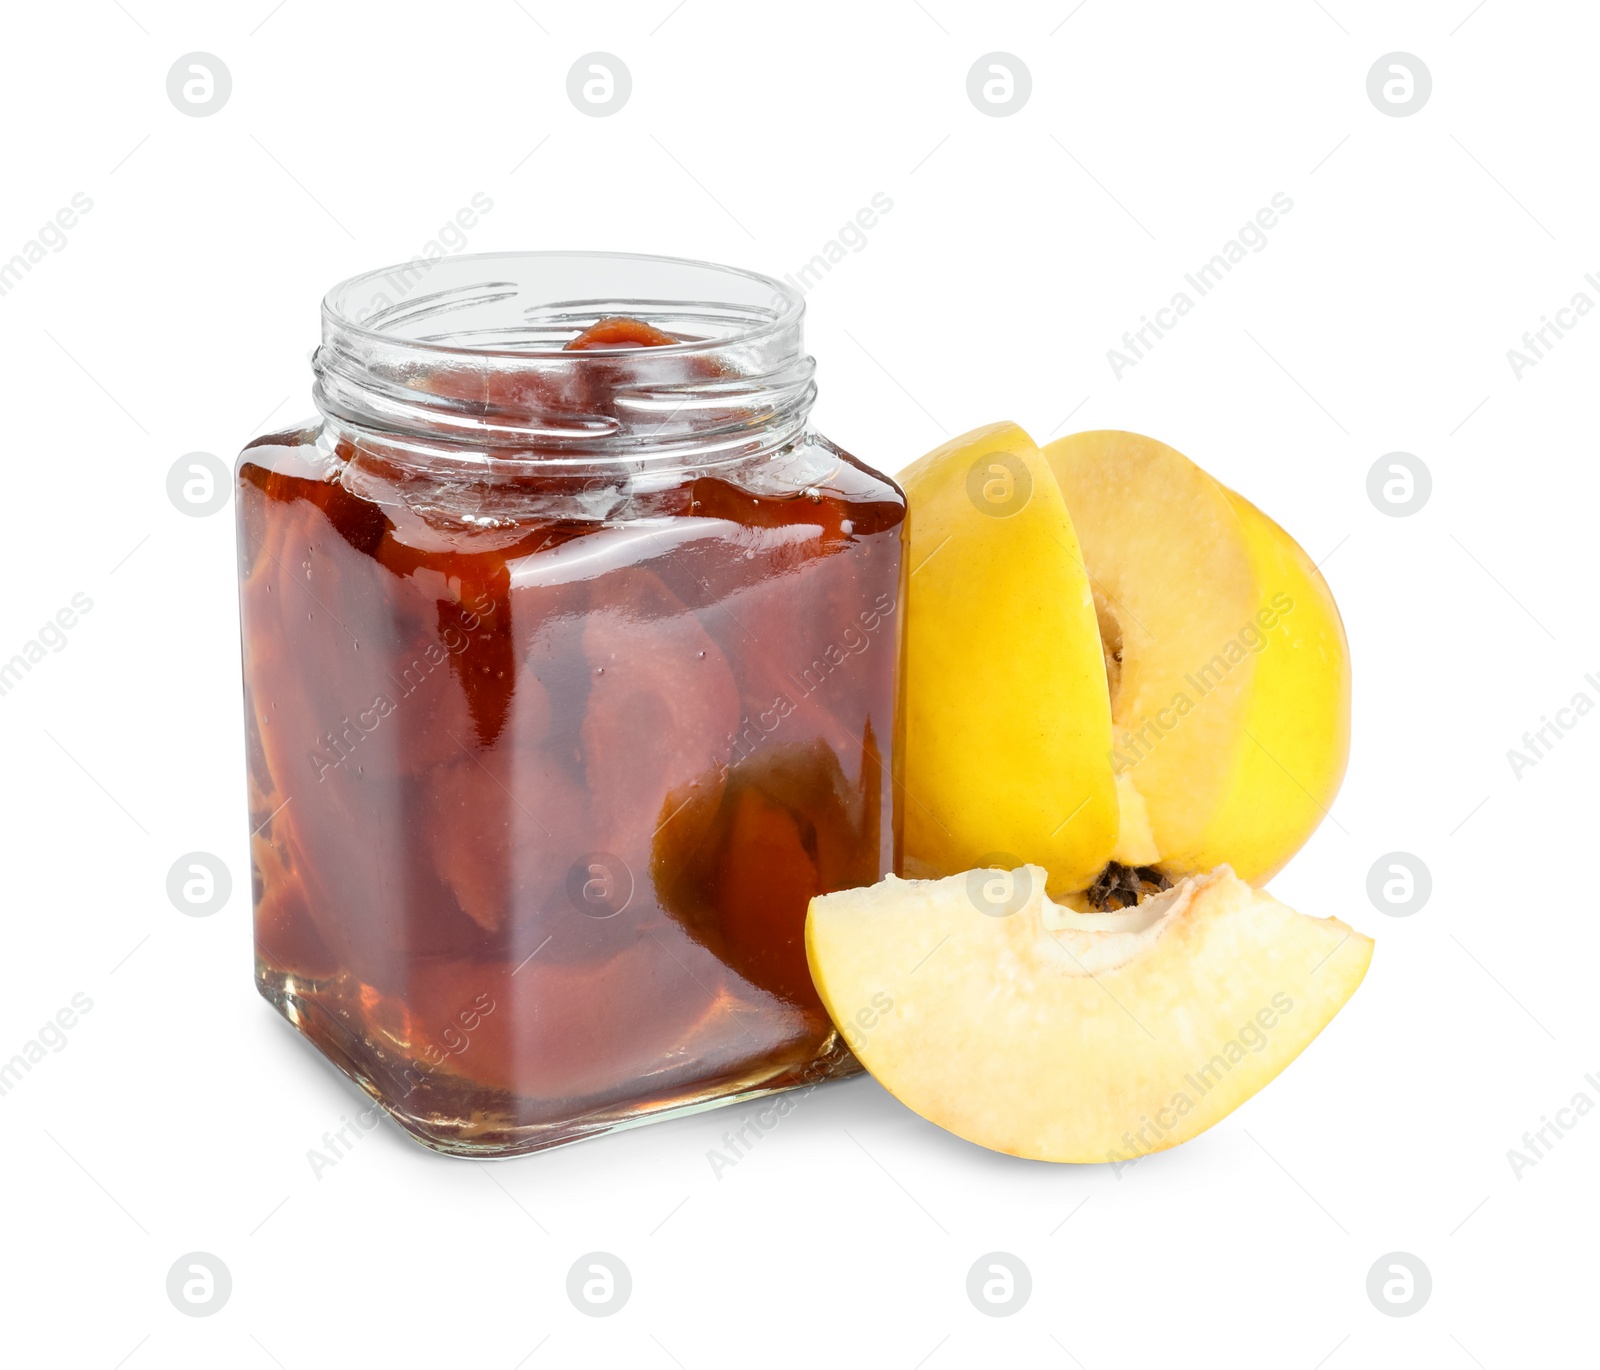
{"x":178,"y":317}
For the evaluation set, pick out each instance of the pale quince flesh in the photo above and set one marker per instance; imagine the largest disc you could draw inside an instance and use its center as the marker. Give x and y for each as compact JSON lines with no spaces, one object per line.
{"x":1066,"y":1036}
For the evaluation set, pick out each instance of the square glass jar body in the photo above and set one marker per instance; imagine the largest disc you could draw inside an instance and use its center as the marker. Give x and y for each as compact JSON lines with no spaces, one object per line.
{"x":542,"y":778}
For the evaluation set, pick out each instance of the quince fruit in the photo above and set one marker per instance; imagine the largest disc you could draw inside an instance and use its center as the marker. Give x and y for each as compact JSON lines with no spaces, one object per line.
{"x":1034,"y":1029}
{"x":1113,"y":663}
{"x":1126,"y":687}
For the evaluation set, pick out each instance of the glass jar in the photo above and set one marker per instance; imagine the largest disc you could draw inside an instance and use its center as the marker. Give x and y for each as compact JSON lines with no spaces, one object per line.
{"x":570,"y":661}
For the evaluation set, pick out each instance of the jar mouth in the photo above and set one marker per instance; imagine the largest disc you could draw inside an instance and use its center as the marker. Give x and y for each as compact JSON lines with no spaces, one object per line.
{"x":404,"y":305}
{"x":463,"y":359}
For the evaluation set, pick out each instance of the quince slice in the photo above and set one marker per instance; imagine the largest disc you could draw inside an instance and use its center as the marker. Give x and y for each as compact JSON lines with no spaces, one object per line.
{"x":1060,"y":1035}
{"x":1007,"y":741}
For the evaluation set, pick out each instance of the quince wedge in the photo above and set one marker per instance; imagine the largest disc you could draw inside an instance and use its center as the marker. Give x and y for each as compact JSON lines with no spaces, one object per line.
{"x":1036,"y":1030}
{"x":1006,"y":716}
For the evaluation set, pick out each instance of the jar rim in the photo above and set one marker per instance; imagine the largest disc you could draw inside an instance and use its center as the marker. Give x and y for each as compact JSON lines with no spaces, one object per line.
{"x":337,"y":314}
{"x":467,"y":355}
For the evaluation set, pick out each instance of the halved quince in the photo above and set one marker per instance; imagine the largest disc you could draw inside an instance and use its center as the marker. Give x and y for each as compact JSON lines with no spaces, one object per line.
{"x":1226,"y":660}
{"x":1068,"y":1036}
{"x":1132,"y":664}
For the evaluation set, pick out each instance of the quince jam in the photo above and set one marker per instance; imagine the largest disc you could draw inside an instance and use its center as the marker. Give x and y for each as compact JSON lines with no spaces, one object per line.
{"x":545,"y":770}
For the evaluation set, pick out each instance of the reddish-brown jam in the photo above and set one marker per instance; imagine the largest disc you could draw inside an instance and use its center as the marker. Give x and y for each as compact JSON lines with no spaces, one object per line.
{"x":616,"y":331}
{"x":543,"y":774}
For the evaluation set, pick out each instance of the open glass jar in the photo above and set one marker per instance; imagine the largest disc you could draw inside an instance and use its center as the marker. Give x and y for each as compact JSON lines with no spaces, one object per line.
{"x":570,"y":663}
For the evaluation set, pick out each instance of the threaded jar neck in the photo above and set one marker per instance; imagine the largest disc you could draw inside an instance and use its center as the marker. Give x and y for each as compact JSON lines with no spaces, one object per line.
{"x":460,"y":363}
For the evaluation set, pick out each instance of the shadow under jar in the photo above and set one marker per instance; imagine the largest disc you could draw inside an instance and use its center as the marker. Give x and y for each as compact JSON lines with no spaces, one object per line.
{"x":570,"y":660}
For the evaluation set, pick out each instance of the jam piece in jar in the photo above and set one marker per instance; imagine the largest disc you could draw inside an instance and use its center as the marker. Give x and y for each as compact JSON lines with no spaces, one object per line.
{"x":619,"y":330}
